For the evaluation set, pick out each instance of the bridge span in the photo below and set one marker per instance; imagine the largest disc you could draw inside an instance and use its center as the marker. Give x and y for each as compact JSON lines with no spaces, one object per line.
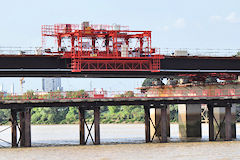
{"x":157,"y":126}
{"x":56,"y":66}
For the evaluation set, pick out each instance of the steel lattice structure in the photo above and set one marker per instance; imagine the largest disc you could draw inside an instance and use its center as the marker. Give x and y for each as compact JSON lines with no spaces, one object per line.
{"x":103,"y":47}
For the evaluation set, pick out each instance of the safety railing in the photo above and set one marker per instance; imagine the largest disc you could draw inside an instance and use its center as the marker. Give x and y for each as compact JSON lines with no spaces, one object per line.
{"x":21,"y":50}
{"x":160,"y":93}
{"x":201,"y":52}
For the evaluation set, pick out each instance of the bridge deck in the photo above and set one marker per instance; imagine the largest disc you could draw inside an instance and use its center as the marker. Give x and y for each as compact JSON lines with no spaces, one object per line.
{"x":49,"y":66}
{"x":92,"y":102}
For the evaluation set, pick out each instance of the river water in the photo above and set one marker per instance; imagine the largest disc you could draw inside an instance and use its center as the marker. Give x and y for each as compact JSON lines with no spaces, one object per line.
{"x":130,"y":145}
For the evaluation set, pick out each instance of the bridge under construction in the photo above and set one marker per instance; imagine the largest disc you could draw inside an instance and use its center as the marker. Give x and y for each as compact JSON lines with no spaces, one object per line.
{"x":103,"y":51}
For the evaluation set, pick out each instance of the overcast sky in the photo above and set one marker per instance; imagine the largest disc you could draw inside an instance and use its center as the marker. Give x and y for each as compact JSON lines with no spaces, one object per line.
{"x":175,"y":24}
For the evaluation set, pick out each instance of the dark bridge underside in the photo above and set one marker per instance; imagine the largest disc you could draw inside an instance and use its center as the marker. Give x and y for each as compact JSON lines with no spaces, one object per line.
{"x":90,"y":103}
{"x":54,"y":66}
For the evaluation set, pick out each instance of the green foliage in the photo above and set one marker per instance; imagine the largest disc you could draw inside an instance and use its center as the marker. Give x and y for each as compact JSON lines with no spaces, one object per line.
{"x":4,"y":116}
{"x":173,"y":113}
{"x":30,"y":95}
{"x":77,"y":94}
{"x":148,"y":82}
{"x":68,"y":115}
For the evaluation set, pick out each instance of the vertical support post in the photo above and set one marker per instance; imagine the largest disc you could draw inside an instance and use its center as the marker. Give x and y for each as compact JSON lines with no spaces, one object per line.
{"x":210,"y":123}
{"x":228,"y":124}
{"x":164,"y":124}
{"x":97,"y":124}
{"x":22,"y":128}
{"x":147,"y":123}
{"x":81,"y":126}
{"x":27,"y":128}
{"x":14,"y":127}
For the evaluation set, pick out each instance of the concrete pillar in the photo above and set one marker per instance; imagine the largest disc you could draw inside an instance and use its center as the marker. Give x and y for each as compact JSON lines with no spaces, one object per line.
{"x":164,"y":124}
{"x":210,"y":123}
{"x":147,"y":124}
{"x":14,"y":127}
{"x":228,"y":124}
{"x":155,"y":114}
{"x":22,"y":128}
{"x":25,"y":128}
{"x":219,"y":114}
{"x":97,"y":125}
{"x":189,"y":119}
{"x":81,"y":126}
{"x":234,"y":112}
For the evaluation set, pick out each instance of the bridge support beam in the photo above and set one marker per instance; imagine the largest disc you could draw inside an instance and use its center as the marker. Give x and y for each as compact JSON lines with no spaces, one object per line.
{"x":147,"y":124}
{"x":14,"y":127}
{"x":155,"y":125}
{"x":81,"y":125}
{"x":97,"y":125}
{"x":220,"y":121}
{"x":25,"y":128}
{"x":189,"y":119}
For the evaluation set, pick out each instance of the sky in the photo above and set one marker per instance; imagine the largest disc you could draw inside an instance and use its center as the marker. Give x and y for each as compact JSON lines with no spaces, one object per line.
{"x":174,"y":24}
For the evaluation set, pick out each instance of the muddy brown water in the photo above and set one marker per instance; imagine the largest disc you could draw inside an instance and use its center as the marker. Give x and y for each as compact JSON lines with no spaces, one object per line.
{"x":130,"y":145}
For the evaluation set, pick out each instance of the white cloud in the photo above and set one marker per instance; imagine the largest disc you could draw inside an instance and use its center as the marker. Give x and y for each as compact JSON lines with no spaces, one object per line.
{"x":164,"y":28}
{"x":232,"y":18}
{"x":216,"y":18}
{"x":180,"y":23}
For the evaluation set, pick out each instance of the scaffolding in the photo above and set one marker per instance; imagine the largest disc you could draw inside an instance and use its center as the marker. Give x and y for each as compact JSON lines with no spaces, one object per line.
{"x":102,"y":47}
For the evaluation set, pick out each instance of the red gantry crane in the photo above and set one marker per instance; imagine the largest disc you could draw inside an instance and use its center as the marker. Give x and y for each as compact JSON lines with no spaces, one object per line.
{"x":102,"y":47}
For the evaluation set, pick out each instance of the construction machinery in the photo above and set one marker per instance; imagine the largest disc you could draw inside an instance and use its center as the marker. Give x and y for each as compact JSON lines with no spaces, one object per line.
{"x":102,"y":47}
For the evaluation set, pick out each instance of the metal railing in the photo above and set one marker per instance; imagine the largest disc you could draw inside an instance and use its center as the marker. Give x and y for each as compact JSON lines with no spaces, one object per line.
{"x":208,"y":52}
{"x":21,"y":50}
{"x":201,"y":52}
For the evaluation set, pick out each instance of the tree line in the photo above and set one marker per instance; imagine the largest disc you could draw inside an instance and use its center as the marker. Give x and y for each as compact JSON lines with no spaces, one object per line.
{"x":70,"y":115}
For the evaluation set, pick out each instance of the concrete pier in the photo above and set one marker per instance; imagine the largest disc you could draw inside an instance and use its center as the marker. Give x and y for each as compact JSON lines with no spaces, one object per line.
{"x":220,"y":117}
{"x":211,"y":122}
{"x":147,"y":123}
{"x":228,"y":124}
{"x":164,"y":124}
{"x":82,"y":126}
{"x":97,"y":125}
{"x":25,"y":128}
{"x":189,"y":119}
{"x":155,"y":115}
{"x":14,"y":127}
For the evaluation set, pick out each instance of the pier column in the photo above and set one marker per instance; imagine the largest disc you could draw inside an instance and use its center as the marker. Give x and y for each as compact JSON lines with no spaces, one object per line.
{"x":155,"y":114}
{"x":228,"y":124}
{"x":220,"y":116}
{"x":164,"y":124}
{"x":189,"y":119}
{"x":27,"y":127}
{"x":22,"y":128}
{"x":81,"y":125}
{"x":147,"y":123}
{"x":97,"y":125}
{"x":14,"y":127}
{"x":210,"y":123}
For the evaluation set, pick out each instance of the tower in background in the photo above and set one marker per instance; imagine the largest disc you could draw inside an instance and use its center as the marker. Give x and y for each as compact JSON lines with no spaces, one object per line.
{"x":51,"y":84}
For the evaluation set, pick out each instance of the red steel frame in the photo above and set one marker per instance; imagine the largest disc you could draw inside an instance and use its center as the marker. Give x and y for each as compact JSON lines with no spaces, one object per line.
{"x":103,"y":47}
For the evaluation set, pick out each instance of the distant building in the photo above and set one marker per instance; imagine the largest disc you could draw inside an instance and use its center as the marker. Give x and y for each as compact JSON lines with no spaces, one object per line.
{"x":51,"y":84}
